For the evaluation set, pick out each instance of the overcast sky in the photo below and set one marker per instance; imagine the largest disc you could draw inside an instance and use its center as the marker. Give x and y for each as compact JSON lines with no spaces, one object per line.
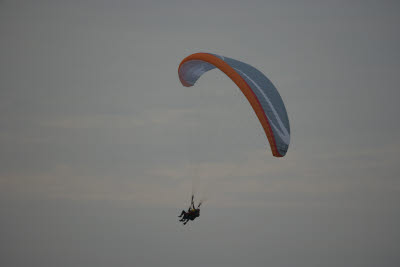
{"x":101,"y":146}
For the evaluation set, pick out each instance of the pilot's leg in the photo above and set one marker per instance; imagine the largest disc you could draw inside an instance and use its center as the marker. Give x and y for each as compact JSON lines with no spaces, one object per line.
{"x":182,"y":213}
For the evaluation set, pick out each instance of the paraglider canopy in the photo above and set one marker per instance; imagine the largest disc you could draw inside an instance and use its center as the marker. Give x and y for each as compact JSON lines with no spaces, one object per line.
{"x":257,"y":88}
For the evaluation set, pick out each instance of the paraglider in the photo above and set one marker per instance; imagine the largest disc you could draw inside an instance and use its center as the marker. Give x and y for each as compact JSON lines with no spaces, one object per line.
{"x":259,"y":91}
{"x":257,"y":88}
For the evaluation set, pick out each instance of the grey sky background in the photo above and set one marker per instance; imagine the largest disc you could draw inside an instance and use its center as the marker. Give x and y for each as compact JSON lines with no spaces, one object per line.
{"x":101,"y":145}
